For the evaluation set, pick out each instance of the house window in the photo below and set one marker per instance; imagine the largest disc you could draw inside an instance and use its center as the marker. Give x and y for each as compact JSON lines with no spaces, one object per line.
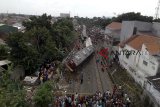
{"x":145,"y":63}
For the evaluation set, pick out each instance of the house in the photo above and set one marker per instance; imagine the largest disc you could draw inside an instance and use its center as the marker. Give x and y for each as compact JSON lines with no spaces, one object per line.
{"x":130,"y":28}
{"x":19,"y":26}
{"x":64,"y":15}
{"x":113,"y":31}
{"x":140,"y":56}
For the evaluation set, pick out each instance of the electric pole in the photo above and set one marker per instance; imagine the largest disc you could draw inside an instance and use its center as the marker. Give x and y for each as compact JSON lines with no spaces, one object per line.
{"x":157,"y":10}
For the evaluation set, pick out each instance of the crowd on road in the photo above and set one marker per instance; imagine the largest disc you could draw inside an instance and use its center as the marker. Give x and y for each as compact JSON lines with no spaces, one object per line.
{"x":117,"y":98}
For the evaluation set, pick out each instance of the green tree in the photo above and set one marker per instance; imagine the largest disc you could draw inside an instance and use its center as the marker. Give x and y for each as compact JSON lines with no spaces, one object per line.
{"x":41,"y":41}
{"x":132,"y":16}
{"x":4,"y":52}
{"x":44,"y":94}
{"x":38,"y":21}
{"x":12,"y":93}
{"x":23,"y":52}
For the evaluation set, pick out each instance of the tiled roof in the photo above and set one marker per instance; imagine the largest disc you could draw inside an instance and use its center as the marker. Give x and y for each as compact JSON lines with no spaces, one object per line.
{"x":152,"y":43}
{"x":122,"y":44}
{"x":136,"y":41}
{"x":114,"y":26}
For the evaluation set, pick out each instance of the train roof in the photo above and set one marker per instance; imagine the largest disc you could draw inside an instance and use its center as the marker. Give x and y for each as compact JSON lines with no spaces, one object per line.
{"x":81,"y":55}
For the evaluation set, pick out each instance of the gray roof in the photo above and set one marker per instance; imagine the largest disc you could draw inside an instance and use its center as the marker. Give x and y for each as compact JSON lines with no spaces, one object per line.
{"x":81,"y":55}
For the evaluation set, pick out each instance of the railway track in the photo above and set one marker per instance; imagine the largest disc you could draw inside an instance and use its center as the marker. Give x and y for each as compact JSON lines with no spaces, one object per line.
{"x":98,"y":75}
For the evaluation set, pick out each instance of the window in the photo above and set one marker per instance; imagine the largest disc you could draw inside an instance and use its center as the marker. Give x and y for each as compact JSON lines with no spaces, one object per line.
{"x":145,"y":63}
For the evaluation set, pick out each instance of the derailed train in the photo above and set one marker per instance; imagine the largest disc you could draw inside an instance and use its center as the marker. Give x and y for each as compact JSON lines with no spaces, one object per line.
{"x":79,"y":57}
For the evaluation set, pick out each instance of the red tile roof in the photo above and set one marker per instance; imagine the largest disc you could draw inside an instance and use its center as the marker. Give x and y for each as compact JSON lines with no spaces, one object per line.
{"x":114,"y":26}
{"x":151,"y":42}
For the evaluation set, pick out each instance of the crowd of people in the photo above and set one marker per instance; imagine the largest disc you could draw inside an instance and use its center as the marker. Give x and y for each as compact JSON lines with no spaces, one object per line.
{"x":46,"y":71}
{"x":117,"y":98}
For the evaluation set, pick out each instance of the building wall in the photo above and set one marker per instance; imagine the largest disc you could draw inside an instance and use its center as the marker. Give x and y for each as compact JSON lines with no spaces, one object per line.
{"x":152,"y":64}
{"x":154,"y":92}
{"x":143,"y":26}
{"x":135,"y":62}
{"x":128,"y":28}
{"x":64,"y":15}
{"x":107,"y":31}
{"x":130,"y":65}
{"x":156,"y":28}
{"x":113,"y":33}
{"x":116,"y":35}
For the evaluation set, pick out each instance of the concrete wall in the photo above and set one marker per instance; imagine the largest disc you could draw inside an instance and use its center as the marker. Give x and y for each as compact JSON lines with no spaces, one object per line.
{"x":154,"y":92}
{"x":113,"y":33}
{"x":143,"y":26}
{"x":156,"y":28}
{"x":128,"y":28}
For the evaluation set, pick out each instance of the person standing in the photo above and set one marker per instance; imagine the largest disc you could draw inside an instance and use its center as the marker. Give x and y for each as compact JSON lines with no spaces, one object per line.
{"x":81,"y":77}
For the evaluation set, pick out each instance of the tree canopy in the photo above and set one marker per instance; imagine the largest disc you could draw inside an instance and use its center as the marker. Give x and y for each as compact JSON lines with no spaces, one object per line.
{"x":11,"y":92}
{"x":44,"y":94}
{"x":132,"y":16}
{"x":41,"y":41}
{"x":4,"y":52}
{"x":102,"y":22}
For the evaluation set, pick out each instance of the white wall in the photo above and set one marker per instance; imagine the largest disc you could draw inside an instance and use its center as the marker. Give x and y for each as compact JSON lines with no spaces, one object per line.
{"x":136,"y":62}
{"x":130,"y":65}
{"x":152,"y":66}
{"x":155,"y":93}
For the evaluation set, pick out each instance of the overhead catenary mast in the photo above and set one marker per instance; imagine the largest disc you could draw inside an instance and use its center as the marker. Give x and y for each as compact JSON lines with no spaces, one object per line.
{"x":157,"y":10}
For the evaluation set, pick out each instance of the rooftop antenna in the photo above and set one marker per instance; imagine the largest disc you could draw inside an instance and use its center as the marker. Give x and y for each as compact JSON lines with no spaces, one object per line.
{"x":157,"y":10}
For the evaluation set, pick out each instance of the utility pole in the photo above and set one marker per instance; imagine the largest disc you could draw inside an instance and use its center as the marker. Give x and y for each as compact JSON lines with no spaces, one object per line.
{"x":157,"y":10}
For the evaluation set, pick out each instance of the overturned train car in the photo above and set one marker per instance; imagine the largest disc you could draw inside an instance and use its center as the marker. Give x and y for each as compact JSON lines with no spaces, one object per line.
{"x":79,"y":57}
